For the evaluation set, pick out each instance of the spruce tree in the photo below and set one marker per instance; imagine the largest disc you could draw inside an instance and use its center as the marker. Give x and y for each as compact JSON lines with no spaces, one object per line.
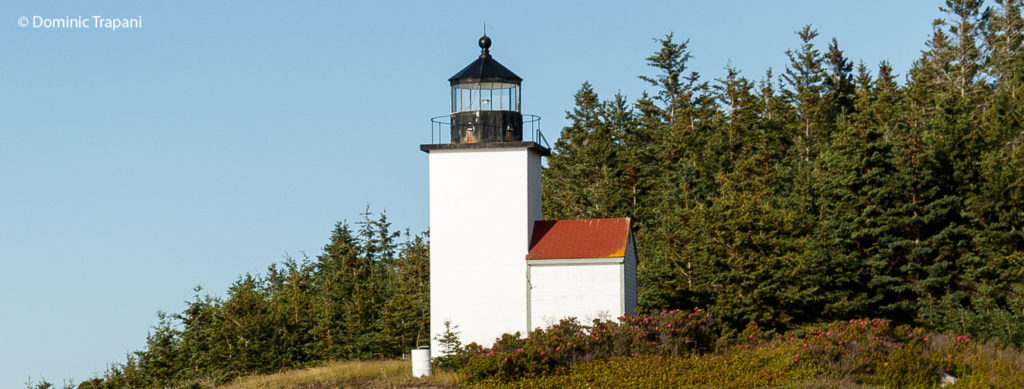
{"x":863,"y":214}
{"x":804,"y":76}
{"x":753,"y":252}
{"x":584,"y":174}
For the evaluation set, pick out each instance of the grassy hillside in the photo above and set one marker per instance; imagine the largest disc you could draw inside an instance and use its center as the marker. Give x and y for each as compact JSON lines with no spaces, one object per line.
{"x":351,"y":374}
{"x":757,"y":364}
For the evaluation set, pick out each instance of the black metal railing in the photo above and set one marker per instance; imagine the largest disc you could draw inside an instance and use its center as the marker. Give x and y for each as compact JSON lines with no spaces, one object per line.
{"x":440,"y":130}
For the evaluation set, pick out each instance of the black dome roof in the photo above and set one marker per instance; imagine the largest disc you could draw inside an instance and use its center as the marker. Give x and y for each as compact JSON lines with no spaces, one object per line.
{"x":485,"y":68}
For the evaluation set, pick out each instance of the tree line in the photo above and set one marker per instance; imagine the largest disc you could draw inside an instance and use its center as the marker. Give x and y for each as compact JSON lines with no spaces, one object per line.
{"x":828,"y":191}
{"x":365,"y":297}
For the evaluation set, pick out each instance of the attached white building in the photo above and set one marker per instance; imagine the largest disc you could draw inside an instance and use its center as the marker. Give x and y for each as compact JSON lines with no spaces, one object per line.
{"x":581,"y":268}
{"x":485,"y":202}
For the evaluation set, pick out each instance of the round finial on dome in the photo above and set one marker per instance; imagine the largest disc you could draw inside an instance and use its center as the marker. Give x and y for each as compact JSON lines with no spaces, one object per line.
{"x":485,"y":43}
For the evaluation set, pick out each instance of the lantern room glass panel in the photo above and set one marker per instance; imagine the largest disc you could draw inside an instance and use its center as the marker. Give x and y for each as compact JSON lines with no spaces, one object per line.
{"x":485,"y":96}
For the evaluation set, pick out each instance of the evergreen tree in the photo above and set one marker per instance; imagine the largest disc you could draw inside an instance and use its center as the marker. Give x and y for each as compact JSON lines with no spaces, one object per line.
{"x":162,"y":357}
{"x":584,"y":174}
{"x":838,"y":85}
{"x":676,"y":177}
{"x":864,"y":213}
{"x":676,"y":90}
{"x":965,"y":27}
{"x":805,"y":76}
{"x":753,"y":255}
{"x":1004,"y":38}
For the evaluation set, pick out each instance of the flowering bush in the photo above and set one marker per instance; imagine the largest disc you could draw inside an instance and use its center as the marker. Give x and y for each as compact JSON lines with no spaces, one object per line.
{"x":854,"y":346}
{"x":567,"y":343}
{"x":678,"y":348}
{"x":674,"y":332}
{"x":915,"y":364}
{"x":893,"y":356}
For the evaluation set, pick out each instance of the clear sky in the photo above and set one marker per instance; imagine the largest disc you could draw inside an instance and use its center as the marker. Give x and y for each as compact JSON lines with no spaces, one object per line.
{"x":221,"y":136}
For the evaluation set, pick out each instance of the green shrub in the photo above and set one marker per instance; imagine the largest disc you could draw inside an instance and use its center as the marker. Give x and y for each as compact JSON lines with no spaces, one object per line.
{"x":909,"y":365}
{"x":678,"y":349}
{"x":857,"y":346}
{"x":563,"y":345}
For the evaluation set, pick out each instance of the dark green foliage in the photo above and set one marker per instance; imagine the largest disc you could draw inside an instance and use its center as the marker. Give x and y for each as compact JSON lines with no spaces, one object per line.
{"x":753,"y":255}
{"x":826,"y":193}
{"x":365,"y":297}
{"x":586,"y":157}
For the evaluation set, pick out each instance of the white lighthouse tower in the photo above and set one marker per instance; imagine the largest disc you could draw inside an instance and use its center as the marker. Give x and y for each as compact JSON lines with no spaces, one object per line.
{"x":485,"y":195}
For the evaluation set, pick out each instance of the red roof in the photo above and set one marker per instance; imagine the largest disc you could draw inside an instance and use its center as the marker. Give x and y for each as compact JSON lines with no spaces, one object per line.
{"x":581,"y":238}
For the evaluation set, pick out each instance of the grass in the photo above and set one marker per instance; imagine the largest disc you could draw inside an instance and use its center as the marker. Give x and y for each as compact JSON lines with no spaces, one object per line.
{"x":728,"y":370}
{"x":349,"y":374}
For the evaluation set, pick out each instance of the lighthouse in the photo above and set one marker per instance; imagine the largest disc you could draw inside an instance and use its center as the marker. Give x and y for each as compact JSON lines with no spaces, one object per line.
{"x":485,"y":195}
{"x":495,"y":266}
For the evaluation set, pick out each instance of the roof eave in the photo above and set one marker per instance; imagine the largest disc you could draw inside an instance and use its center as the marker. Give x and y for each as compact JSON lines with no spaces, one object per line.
{"x":484,"y":69}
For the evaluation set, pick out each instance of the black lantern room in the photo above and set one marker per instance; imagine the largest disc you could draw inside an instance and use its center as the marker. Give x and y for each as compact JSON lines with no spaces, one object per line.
{"x":485,"y":101}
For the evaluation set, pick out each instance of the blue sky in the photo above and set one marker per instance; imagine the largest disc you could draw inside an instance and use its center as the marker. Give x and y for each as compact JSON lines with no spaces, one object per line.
{"x":221,"y":136}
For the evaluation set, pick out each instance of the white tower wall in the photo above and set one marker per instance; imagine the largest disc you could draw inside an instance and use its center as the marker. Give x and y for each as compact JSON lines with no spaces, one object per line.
{"x":483,"y":202}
